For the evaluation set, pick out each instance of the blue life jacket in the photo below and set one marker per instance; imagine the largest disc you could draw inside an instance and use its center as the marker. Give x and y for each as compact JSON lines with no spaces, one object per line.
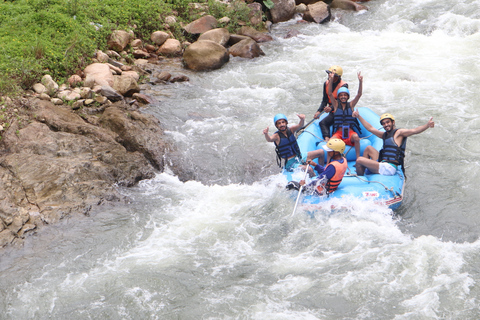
{"x":342,"y":117}
{"x":287,"y":147}
{"x":391,"y":152}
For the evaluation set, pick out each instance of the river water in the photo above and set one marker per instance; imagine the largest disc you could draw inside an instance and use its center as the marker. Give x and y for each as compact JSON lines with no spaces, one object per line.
{"x":224,"y":245}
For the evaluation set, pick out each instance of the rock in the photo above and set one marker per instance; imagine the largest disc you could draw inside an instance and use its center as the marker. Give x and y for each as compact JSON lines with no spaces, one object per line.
{"x":133,"y":74}
{"x":170,"y":20}
{"x":318,"y":12}
{"x":39,"y":88}
{"x":77,"y":104}
{"x":201,"y":25}
{"x":111,"y":94}
{"x":27,"y":227}
{"x":115,"y":63}
{"x":119,"y":39}
{"x":246,"y":49}
{"x":292,"y":33}
{"x":100,"y":72}
{"x":86,"y":93}
{"x":224,"y":20}
{"x":347,"y":5}
{"x":49,"y":84}
{"x":89,"y":102}
{"x":57,"y":101}
{"x":125,"y":85}
{"x":6,"y":237}
{"x":159,"y":37}
{"x":150,"y":48}
{"x":140,"y":54}
{"x":219,"y":35}
{"x":171,"y":47}
{"x":101,"y":56}
{"x":74,"y":80}
{"x":63,"y":165}
{"x":68,"y":95}
{"x":89,"y":81}
{"x":101,"y":99}
{"x":301,"y":8}
{"x":163,"y":76}
{"x":283,"y":10}
{"x":181,"y":78}
{"x":143,"y":98}
{"x":235,"y":38}
{"x":141,"y":62}
{"x":255,"y":14}
{"x":143,"y":137}
{"x":137,"y":43}
{"x":44,"y":96}
{"x":205,"y":55}
{"x":115,"y":70}
{"x":258,"y":36}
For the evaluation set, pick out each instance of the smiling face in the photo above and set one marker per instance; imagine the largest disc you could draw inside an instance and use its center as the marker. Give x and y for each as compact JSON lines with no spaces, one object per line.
{"x":387,"y":124}
{"x":281,"y":124}
{"x":343,"y":97}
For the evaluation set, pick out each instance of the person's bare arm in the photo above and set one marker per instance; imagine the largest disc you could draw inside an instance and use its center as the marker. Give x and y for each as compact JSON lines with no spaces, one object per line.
{"x":367,"y":125}
{"x":296,"y":127}
{"x":360,"y":90}
{"x":410,"y":132}
{"x":330,"y":93}
{"x":271,"y":138}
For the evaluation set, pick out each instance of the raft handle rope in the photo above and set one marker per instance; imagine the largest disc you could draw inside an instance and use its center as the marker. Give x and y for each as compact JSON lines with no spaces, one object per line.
{"x":395,"y":194}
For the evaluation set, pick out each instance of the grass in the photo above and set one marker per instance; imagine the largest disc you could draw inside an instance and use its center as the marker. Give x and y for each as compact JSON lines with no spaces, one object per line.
{"x":59,"y":37}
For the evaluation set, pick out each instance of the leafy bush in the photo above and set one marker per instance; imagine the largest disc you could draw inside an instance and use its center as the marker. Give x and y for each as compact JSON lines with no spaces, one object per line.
{"x":58,"y":37}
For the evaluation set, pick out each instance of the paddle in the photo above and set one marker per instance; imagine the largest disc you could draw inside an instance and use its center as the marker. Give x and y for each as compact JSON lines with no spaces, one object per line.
{"x":300,"y":191}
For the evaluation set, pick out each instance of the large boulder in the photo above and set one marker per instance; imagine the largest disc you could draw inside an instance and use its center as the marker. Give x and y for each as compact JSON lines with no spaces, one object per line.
{"x":205,"y":55}
{"x":201,"y":25}
{"x":247,"y":48}
{"x":318,"y":12}
{"x":256,"y":35}
{"x":347,"y":5}
{"x":218,"y":35}
{"x":118,"y":40}
{"x":60,"y":164}
{"x":100,"y":73}
{"x":283,"y":10}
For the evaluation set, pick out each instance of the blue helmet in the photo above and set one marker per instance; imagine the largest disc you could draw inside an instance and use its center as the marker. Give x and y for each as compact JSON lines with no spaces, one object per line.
{"x":343,"y":89}
{"x":279,"y":116}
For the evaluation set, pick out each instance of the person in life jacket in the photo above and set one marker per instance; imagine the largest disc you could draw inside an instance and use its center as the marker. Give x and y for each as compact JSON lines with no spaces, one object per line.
{"x":326,"y":104}
{"x":330,"y":176}
{"x":345,"y":126}
{"x":392,"y":154}
{"x":286,"y":144}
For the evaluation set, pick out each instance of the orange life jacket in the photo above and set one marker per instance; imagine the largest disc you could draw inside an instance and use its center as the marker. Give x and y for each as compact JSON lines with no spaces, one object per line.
{"x":340,"y":169}
{"x":340,"y":84}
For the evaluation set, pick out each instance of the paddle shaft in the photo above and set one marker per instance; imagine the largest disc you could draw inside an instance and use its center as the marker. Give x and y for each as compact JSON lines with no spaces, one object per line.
{"x":300,"y":191}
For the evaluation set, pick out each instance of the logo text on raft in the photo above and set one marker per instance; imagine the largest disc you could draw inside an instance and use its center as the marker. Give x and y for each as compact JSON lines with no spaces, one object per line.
{"x":370,"y":194}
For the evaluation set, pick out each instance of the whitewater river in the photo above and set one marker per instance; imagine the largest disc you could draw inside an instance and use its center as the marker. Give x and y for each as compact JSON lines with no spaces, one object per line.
{"x":223,"y":245}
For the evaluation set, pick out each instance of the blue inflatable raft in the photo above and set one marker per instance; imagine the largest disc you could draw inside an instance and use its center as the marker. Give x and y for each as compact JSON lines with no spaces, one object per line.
{"x":385,"y":190}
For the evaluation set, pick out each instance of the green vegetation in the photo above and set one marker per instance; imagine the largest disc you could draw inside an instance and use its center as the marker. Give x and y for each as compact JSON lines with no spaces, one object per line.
{"x":59,"y":37}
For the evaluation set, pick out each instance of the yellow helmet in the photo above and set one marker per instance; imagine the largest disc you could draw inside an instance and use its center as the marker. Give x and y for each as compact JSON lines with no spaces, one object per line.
{"x":337,"y":70}
{"x":386,"y":116}
{"x":335,"y":145}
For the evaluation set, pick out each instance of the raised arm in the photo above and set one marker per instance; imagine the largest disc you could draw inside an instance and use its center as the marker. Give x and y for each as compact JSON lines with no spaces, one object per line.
{"x":296,"y":127}
{"x":330,"y":91}
{"x":359,"y":93}
{"x":410,"y":132}
{"x":271,"y":138}
{"x":367,"y":125}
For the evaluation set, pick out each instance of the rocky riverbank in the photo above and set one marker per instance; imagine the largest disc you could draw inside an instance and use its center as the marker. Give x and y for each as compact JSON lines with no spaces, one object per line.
{"x":65,"y":148}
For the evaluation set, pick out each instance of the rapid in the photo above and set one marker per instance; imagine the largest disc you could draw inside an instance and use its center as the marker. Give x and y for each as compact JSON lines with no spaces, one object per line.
{"x":224,"y":245}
